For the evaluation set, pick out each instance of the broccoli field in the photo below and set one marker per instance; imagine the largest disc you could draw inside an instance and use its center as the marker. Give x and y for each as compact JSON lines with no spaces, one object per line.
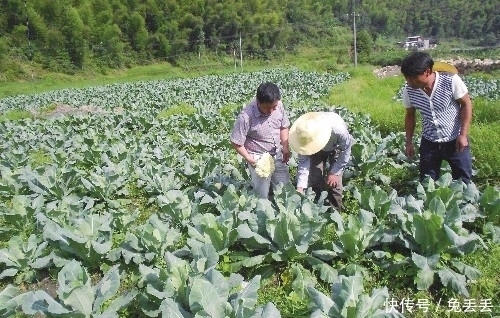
{"x":133,"y":204}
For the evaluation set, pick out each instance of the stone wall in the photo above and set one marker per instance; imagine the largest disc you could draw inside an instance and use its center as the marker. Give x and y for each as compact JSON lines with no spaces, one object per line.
{"x":467,"y":66}
{"x":464,"y":67}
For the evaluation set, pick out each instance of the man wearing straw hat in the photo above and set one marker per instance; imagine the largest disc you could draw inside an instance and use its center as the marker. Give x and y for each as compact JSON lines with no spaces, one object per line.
{"x":261,"y":132}
{"x":441,"y":97}
{"x":322,"y":141}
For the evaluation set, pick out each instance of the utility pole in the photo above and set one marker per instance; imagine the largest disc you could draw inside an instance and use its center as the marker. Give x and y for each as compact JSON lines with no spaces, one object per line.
{"x":354,"y":31}
{"x":241,"y":54}
{"x":355,"y":46}
{"x":234,"y":57}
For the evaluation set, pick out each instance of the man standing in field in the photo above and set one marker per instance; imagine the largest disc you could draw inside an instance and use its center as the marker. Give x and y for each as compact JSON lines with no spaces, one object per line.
{"x":320,"y":138}
{"x":261,"y":131}
{"x":446,"y":111}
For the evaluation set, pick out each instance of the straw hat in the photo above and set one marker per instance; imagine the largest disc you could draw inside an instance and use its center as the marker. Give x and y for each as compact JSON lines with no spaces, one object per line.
{"x":444,"y":67}
{"x":310,"y":133}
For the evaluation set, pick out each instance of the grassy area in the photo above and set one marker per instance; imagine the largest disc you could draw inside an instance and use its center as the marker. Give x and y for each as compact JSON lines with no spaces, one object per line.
{"x":365,"y":93}
{"x":15,"y":115}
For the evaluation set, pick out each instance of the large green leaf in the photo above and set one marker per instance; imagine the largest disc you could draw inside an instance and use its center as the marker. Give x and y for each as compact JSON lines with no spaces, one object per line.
{"x":469,"y":271}
{"x":80,"y":299}
{"x":120,"y":303}
{"x":464,"y":244}
{"x":171,"y":309}
{"x":454,"y":280}
{"x":107,"y":287}
{"x":302,"y":279}
{"x":427,"y":267}
{"x":326,"y":272}
{"x":429,"y":233}
{"x":10,"y":300}
{"x":41,"y":302}
{"x":346,"y":291}
{"x":268,"y":311}
{"x":324,"y":303}
{"x":203,"y":298}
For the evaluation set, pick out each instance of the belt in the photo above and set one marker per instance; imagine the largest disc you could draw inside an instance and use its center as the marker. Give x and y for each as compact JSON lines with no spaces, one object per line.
{"x":441,"y":142}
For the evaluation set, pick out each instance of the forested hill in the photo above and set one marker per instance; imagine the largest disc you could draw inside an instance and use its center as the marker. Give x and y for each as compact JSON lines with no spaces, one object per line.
{"x":73,"y":33}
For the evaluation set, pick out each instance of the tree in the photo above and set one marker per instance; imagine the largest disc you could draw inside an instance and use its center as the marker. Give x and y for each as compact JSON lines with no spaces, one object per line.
{"x":36,"y":26}
{"x":364,"y":46}
{"x":76,"y":37}
{"x":138,"y":33}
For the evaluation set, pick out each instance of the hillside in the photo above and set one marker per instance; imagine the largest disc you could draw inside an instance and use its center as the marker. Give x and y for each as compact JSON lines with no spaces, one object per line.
{"x":74,"y":36}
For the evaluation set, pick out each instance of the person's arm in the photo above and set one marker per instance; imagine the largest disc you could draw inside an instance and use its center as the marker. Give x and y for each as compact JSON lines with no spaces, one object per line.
{"x":303,"y":163}
{"x":238,"y":137}
{"x":465,"y":120}
{"x":284,"y":144}
{"x":244,"y":153}
{"x":284,"y":131}
{"x":345,"y":142}
{"x":410,"y":122}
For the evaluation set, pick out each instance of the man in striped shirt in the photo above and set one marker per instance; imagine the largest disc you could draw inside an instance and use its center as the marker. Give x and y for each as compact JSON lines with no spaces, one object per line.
{"x":262,"y":126}
{"x":446,"y":112}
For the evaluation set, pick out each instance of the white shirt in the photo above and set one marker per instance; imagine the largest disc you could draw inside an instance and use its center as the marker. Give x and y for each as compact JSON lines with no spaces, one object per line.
{"x":340,"y":140}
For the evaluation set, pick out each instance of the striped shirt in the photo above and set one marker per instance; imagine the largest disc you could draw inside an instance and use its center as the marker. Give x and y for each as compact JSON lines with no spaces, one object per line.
{"x":259,"y":132}
{"x":440,"y":112}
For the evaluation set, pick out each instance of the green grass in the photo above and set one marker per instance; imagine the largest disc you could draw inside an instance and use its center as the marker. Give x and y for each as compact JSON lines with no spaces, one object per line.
{"x":485,"y":139}
{"x":178,"y":109}
{"x":365,"y":93}
{"x":15,"y":115}
{"x":39,"y":158}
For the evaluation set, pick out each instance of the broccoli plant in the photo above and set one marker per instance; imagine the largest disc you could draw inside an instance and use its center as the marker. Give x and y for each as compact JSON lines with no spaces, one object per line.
{"x":348,"y":300}
{"x":435,"y":236}
{"x":146,"y":243}
{"x":289,"y":231}
{"x":22,"y":259}
{"x":184,"y":291}
{"x":76,"y":297}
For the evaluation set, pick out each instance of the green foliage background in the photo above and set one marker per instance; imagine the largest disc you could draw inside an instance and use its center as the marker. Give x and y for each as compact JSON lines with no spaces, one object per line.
{"x":75,"y":35}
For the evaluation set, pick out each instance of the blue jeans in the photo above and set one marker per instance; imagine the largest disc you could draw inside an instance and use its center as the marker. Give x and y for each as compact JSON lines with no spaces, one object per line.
{"x":432,"y":155}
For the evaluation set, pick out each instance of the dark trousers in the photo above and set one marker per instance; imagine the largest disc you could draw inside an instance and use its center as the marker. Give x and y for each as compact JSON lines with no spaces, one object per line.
{"x":432,"y":155}
{"x":317,"y":177}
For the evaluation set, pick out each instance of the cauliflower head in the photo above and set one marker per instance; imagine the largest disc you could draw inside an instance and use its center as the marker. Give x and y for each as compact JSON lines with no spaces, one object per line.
{"x":265,"y":165}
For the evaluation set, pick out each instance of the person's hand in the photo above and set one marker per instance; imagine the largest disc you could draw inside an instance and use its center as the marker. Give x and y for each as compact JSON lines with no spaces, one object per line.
{"x":333,"y":181}
{"x":410,"y":150}
{"x":286,"y":154}
{"x":462,"y":142}
{"x":300,"y":190}
{"x":252,"y":162}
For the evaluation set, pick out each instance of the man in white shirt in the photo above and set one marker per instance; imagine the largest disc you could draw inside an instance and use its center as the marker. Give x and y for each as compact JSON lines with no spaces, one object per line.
{"x":322,"y":141}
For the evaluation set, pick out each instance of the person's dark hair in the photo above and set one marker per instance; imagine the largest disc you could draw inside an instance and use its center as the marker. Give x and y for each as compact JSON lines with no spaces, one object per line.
{"x":268,"y":92}
{"x":416,"y":63}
